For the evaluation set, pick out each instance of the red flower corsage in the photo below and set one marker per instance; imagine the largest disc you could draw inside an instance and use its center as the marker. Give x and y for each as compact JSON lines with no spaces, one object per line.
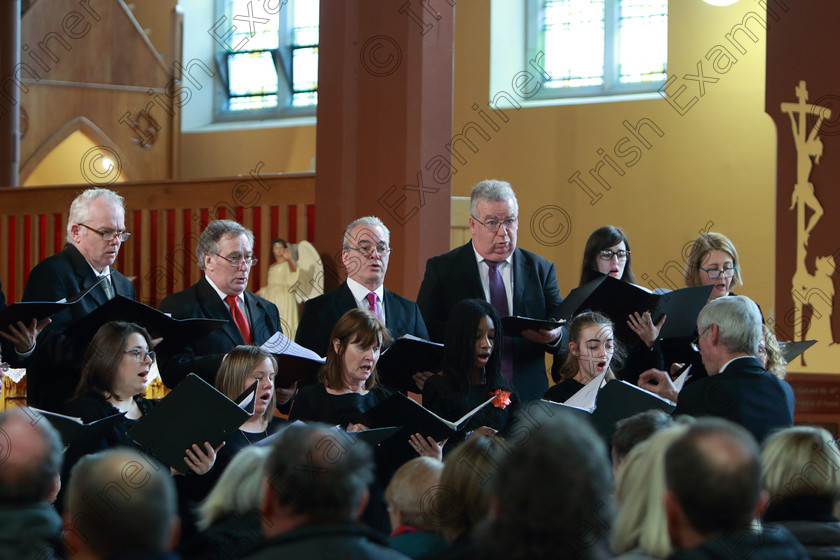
{"x":502,"y":399}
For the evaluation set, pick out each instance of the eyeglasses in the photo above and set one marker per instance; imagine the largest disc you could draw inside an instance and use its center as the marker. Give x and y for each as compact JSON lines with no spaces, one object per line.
{"x":109,"y":235}
{"x":140,"y":355}
{"x":236,"y":262}
{"x":607,"y":255}
{"x":715,"y":273}
{"x":511,"y":224}
{"x":367,"y":249}
{"x":695,"y":345}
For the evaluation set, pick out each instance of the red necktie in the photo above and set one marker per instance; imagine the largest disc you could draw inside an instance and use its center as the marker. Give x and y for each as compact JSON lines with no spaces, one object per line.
{"x":239,"y":319}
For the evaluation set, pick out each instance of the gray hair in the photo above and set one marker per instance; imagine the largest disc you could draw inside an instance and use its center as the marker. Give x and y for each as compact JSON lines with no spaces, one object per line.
{"x":370,"y":221}
{"x":27,"y":477}
{"x":319,"y":472}
{"x":492,"y":190}
{"x":121,"y":500}
{"x":739,"y":322}
{"x":215,"y":230}
{"x":239,"y":489}
{"x":80,"y":207}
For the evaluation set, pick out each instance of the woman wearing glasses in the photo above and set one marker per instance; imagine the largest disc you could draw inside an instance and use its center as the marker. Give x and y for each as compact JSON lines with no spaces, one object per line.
{"x":115,"y":371}
{"x":713,"y":261}
{"x":607,"y":251}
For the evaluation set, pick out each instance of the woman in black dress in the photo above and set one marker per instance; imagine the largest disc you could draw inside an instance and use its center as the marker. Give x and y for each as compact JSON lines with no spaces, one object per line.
{"x":472,"y":372}
{"x":591,"y":352}
{"x":115,"y":371}
{"x":347,"y":384}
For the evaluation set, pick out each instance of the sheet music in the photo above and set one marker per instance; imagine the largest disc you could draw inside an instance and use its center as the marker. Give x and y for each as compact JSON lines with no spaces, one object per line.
{"x":281,"y":344}
{"x":585,"y":398}
{"x":679,"y":382}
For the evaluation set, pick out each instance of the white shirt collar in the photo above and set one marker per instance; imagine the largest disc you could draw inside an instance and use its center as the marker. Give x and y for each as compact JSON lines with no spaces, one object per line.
{"x":240,"y":298}
{"x":726,"y":365}
{"x":105,"y":272}
{"x":360,"y":292}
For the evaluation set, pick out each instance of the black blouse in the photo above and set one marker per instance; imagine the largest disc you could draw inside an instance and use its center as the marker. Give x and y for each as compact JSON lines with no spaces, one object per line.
{"x":314,"y":404}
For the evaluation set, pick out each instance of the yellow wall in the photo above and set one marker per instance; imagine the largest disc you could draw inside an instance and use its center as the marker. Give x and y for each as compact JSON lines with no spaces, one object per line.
{"x":716,"y":163}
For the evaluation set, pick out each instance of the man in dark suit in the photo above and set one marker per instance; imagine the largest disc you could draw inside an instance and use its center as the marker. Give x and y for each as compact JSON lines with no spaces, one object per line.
{"x":514,"y":281}
{"x":365,"y":257}
{"x":225,"y":253}
{"x":95,"y":233}
{"x":738,"y":387}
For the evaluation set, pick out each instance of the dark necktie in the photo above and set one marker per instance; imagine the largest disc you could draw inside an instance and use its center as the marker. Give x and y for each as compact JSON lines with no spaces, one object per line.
{"x":498,"y":299}
{"x":239,"y":319}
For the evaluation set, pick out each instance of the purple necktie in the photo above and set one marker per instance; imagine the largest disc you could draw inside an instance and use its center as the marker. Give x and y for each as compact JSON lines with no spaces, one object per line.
{"x":371,"y":298}
{"x":498,"y":299}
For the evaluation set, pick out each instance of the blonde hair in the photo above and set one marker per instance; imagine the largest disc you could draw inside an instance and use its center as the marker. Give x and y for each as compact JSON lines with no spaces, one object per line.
{"x":640,"y":485}
{"x":237,"y":365}
{"x":412,"y":491}
{"x":702,"y":245}
{"x":239,"y":490}
{"x":775,"y":360}
{"x":464,"y":500}
{"x":801,"y":461}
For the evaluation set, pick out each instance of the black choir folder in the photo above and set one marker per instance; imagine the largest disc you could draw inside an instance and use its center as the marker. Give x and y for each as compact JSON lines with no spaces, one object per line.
{"x":193,"y":412}
{"x":616,"y":401}
{"x":618,"y":299}
{"x":405,"y":357}
{"x":400,"y":410}
{"x":175,"y":332}
{"x":513,"y":326}
{"x":25,"y":311}
{"x":76,"y":434}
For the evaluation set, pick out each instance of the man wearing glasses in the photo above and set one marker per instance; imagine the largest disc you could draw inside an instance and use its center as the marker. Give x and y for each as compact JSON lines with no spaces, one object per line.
{"x":225,"y":253}
{"x":95,"y":233}
{"x":365,"y":257}
{"x":516,"y":282}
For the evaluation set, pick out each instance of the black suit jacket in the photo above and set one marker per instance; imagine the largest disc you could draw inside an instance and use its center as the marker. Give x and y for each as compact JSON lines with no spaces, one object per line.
{"x":744,"y":393}
{"x":320,"y":314}
{"x":453,"y":276}
{"x":204,"y":356}
{"x":55,"y":365}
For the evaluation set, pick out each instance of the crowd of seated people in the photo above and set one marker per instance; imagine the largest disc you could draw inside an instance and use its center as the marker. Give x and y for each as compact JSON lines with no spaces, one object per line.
{"x":521,"y":478}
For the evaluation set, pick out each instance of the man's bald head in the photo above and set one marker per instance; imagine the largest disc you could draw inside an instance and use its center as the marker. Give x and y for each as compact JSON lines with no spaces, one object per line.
{"x":30,"y":458}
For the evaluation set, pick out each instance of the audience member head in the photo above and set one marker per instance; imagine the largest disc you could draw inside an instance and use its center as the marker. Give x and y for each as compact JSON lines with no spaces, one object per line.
{"x":603,"y":254}
{"x":713,"y":478}
{"x":639,"y":487}
{"x":710,"y":254}
{"x":117,"y":361}
{"x":31,"y":460}
{"x":728,"y":327}
{"x":770,"y":353}
{"x":225,"y":253}
{"x":592,"y":348}
{"x":473,"y":344}
{"x":634,"y":430}
{"x":801,"y":462}
{"x":367,"y":248}
{"x":239,"y":490}
{"x":315,"y":474}
{"x":355,"y":344}
{"x":412,"y":490}
{"x":465,"y":496}
{"x":243,"y":366}
{"x":120,"y":501}
{"x":494,"y":219}
{"x":95,"y":215}
{"x":568,"y":513}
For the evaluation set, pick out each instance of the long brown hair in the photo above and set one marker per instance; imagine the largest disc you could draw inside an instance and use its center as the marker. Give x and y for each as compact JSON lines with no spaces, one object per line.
{"x":103,"y":356}
{"x":356,"y":326}
{"x":603,"y":238}
{"x":572,"y":364}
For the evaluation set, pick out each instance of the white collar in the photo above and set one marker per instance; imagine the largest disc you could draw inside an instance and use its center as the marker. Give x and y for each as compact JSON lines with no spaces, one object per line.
{"x":360,"y":292}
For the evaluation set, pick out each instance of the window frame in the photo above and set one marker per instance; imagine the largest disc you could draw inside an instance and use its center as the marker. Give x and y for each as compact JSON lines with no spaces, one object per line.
{"x":612,"y":88}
